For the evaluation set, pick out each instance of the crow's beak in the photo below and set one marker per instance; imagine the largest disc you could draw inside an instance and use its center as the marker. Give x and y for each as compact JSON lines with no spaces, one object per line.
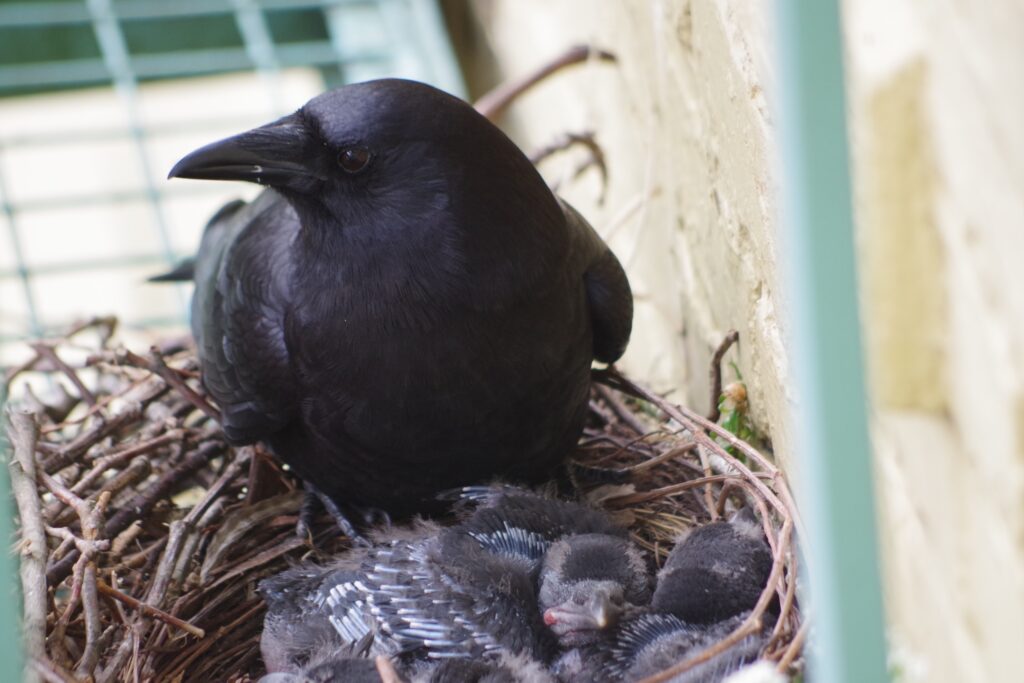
{"x":279,"y":154}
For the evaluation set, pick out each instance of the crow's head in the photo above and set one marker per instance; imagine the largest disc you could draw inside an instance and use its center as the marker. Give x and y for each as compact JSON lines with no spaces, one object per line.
{"x":391,"y":149}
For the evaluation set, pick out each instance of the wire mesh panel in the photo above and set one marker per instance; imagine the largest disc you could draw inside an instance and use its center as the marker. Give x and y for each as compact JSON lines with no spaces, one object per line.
{"x":98,"y":98}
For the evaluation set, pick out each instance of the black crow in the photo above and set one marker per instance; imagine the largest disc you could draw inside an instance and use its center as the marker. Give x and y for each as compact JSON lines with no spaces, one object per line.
{"x":408,"y":308}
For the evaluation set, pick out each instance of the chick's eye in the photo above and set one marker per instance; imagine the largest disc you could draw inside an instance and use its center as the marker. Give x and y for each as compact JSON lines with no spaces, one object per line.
{"x":353,"y":159}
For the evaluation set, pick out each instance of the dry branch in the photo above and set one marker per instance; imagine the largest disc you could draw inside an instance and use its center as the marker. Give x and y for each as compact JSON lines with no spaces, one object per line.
{"x":22,"y":467}
{"x":494,"y":103}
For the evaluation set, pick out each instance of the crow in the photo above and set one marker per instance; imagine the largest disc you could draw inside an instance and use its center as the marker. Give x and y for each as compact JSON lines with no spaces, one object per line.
{"x":407,"y":308}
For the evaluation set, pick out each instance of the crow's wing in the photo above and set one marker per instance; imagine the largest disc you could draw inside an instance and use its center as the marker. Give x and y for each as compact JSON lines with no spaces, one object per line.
{"x":238,"y":312}
{"x":608,"y":295}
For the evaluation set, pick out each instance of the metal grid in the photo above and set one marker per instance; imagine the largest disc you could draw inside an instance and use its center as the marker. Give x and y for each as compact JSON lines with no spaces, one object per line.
{"x":134,"y":51}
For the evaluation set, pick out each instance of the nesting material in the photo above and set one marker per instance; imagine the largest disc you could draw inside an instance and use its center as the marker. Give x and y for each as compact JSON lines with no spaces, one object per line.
{"x":143,"y":535}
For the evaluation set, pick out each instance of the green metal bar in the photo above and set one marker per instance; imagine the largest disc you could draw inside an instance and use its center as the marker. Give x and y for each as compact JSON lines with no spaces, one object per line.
{"x":834,"y":454}
{"x":260,"y":46}
{"x":77,"y":72}
{"x":443,"y":65}
{"x":115,"y":55}
{"x":118,"y":197}
{"x":19,"y":257}
{"x":105,"y":264}
{"x":118,"y":60}
{"x":65,"y":137}
{"x":11,"y":656}
{"x":26,"y":14}
{"x":43,"y":74}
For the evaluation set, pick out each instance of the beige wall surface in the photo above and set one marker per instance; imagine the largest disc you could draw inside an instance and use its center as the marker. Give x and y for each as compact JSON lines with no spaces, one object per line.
{"x":936,"y":104}
{"x":690,"y":207}
{"x":936,"y":101}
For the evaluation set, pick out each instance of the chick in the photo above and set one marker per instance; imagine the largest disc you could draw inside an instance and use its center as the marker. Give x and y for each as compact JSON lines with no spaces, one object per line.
{"x":716,"y":571}
{"x":588,"y":582}
{"x":487,"y":587}
{"x":710,"y":582}
{"x":520,"y":524}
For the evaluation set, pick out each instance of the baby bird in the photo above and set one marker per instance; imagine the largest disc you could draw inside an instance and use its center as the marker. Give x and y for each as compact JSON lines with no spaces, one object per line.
{"x":588,"y":583}
{"x":469,"y":591}
{"x":521,"y":525}
{"x":654,"y":642}
{"x":504,"y":669}
{"x":324,"y":663}
{"x":716,"y":571}
{"x":710,"y":582}
{"x":427,"y":593}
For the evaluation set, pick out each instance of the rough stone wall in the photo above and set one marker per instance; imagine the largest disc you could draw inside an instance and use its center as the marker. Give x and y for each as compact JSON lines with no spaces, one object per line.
{"x":690,"y":207}
{"x":936,"y":102}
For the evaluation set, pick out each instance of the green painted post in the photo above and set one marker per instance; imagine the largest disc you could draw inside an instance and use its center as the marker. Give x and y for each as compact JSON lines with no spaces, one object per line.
{"x":10,"y":599}
{"x":834,"y":459}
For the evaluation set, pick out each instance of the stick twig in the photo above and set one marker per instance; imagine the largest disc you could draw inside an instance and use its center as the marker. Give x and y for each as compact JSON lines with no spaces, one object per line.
{"x":493,"y":104}
{"x":47,"y":351}
{"x":22,"y":467}
{"x":142,"y":503}
{"x":158,"y":366}
{"x":149,"y":610}
{"x":715,"y":373}
{"x":622,"y":411}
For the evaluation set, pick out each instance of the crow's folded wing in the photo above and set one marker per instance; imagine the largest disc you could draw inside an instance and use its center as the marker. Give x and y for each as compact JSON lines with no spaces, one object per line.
{"x":238,"y":313}
{"x":608,"y":294}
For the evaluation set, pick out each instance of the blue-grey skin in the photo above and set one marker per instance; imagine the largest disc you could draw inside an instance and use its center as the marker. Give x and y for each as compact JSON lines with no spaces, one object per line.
{"x":408,"y":308}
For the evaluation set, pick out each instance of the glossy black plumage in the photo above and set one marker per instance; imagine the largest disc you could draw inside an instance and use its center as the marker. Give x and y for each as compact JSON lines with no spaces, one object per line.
{"x":426,"y":322}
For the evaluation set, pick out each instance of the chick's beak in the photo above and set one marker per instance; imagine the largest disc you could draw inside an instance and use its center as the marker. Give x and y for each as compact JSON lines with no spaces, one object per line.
{"x":597,"y":614}
{"x":279,"y":154}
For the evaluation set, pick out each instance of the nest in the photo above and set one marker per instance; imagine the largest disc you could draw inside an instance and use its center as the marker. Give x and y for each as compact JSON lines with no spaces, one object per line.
{"x":143,"y":535}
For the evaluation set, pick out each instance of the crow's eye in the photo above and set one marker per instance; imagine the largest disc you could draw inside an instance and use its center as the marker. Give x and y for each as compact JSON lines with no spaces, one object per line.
{"x":353,"y":159}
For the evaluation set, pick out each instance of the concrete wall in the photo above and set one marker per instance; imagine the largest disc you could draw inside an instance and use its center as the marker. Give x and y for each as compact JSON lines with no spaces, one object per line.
{"x":936,"y":98}
{"x":690,"y":208}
